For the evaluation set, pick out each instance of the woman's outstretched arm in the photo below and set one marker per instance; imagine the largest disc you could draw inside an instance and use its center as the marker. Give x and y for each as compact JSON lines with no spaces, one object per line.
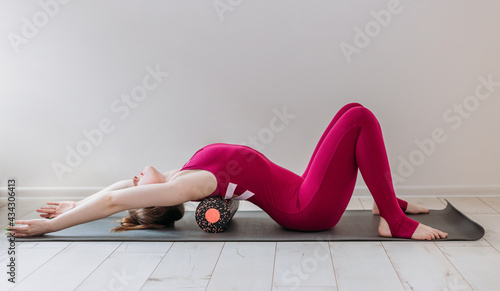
{"x":192,"y":185}
{"x":55,"y":209}
{"x":123,"y":184}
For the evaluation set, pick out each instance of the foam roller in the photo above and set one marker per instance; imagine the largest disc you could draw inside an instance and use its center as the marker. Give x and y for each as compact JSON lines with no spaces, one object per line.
{"x":213,"y":214}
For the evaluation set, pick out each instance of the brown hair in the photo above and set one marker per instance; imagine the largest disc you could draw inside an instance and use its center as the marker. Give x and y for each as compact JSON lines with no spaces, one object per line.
{"x":151,"y":217}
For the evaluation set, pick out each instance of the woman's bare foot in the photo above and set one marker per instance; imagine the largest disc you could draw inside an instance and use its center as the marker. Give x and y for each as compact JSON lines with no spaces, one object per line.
{"x":410,"y":209}
{"x":423,"y":232}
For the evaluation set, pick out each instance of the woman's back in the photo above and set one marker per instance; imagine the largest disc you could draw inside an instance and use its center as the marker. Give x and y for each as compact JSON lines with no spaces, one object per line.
{"x":275,"y":188}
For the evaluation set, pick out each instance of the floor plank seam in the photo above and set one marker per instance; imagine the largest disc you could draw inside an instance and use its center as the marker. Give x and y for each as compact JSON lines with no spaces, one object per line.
{"x":455,"y":267}
{"x":476,"y":207}
{"x":482,"y":199}
{"x":215,"y":266}
{"x":159,"y":262}
{"x":274,"y":264}
{"x":394,"y":267}
{"x":491,"y":245}
{"x":96,"y":268}
{"x":333,"y":266}
{"x":19,"y":282}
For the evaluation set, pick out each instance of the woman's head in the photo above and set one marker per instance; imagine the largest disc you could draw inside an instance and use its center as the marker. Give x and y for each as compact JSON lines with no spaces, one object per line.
{"x":149,"y":176}
{"x":151,"y":217}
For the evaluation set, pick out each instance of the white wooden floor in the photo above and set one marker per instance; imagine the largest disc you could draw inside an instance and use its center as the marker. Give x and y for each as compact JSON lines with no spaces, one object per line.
{"x":315,"y":266}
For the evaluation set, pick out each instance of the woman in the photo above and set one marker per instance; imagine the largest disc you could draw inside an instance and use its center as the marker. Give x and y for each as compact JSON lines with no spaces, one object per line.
{"x":312,"y":202}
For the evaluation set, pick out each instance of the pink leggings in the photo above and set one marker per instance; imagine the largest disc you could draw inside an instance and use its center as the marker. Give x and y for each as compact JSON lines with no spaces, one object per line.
{"x":352,"y":140}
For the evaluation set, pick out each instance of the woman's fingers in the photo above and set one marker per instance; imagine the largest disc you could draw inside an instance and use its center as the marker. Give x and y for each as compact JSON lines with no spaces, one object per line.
{"x":21,"y":230}
{"x":48,"y":207}
{"x":19,"y":234}
{"x":24,"y":222}
{"x":48,"y":215}
{"x":46,"y":210}
{"x":17,"y":230}
{"x":32,"y":227}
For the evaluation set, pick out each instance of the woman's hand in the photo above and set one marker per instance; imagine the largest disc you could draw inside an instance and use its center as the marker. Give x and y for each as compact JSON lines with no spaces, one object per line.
{"x":56,"y":208}
{"x":33,"y":227}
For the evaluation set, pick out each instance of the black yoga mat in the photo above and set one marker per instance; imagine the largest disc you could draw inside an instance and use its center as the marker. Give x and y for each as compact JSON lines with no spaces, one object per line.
{"x":355,"y":225}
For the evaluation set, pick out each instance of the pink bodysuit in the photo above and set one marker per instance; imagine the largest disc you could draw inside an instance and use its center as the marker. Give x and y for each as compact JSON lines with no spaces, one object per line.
{"x":317,"y":199}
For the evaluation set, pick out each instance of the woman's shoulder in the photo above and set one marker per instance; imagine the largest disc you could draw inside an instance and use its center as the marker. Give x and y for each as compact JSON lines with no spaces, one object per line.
{"x":229,"y":146}
{"x":201,"y":183}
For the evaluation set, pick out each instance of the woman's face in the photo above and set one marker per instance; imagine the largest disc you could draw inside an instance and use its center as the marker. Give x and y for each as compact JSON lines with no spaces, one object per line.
{"x":148,"y":176}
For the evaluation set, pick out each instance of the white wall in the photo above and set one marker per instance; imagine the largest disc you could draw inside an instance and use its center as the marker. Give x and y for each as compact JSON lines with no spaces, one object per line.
{"x":228,"y":70}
